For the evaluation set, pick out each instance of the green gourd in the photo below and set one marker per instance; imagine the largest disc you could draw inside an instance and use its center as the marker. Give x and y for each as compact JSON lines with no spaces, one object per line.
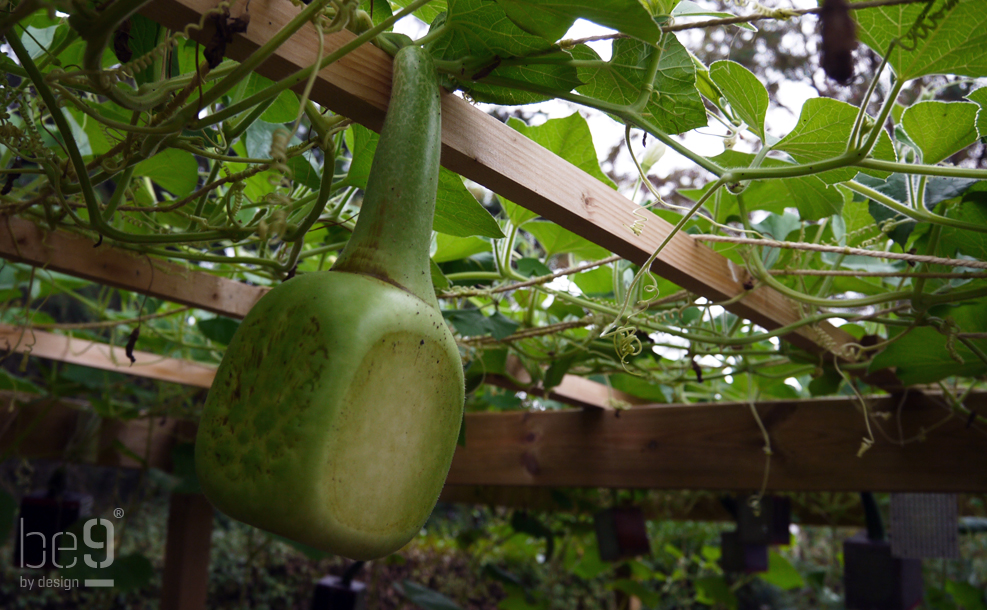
{"x":335,"y":412}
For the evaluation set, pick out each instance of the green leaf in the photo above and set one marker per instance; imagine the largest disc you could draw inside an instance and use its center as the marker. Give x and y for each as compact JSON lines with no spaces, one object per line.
{"x":531,"y":267}
{"x":427,"y":13}
{"x":362,"y":144}
{"x":557,"y":370}
{"x":556,"y":240}
{"x":813,"y":197}
{"x":557,"y":77}
{"x":501,"y":326}
{"x":953,"y":41}
{"x":972,"y":208}
{"x":595,"y":282}
{"x":176,"y":171}
{"x":132,"y":572}
{"x":36,"y":41}
{"x":482,"y":30}
{"x":940,"y":129}
{"x":516,"y":213}
{"x":551,"y":19}
{"x":965,"y":594}
{"x":921,"y":356}
{"x":7,"y":380}
{"x":642,"y":388}
{"x":451,"y":248}
{"x":472,"y":323}
{"x":937,"y":188}
{"x":378,"y":11}
{"x":746,"y":94}
{"x":302,"y":172}
{"x":284,"y":109}
{"x":590,"y":565}
{"x":143,"y":39}
{"x":714,"y":590}
{"x":822,"y":132}
{"x":980,"y":97}
{"x":457,"y":212}
{"x":439,"y":280}
{"x":218,"y":329}
{"x":426,"y":598}
{"x":777,"y":226}
{"x":674,"y":106}
{"x":648,"y":597}
{"x":781,"y":573}
{"x":569,"y":138}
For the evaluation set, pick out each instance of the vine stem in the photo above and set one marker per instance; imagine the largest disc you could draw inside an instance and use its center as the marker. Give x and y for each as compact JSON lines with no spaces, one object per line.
{"x":544,"y":279}
{"x":905,"y":274}
{"x":786,"y":14}
{"x":795,"y":245}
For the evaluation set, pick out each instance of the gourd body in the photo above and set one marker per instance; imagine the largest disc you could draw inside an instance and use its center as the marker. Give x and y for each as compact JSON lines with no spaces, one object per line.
{"x":334,"y":415}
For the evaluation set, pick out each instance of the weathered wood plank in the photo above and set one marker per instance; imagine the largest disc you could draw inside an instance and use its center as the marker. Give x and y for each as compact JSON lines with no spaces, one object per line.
{"x":185,"y":580}
{"x":713,"y":447}
{"x":815,"y":444}
{"x":106,"y":357}
{"x":573,"y":390}
{"x":25,"y":242}
{"x":485,"y":150}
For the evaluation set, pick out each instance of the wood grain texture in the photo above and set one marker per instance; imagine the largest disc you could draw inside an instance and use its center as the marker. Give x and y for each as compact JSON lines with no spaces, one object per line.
{"x":25,"y":242}
{"x":485,"y":150}
{"x":815,"y":444}
{"x":185,"y":580}
{"x":106,"y":357}
{"x":711,"y":447}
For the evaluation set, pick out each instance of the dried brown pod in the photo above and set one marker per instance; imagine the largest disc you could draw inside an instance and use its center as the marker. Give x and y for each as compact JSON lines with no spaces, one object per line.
{"x":225,"y":29}
{"x":121,"y":42}
{"x":12,"y":177}
{"x":839,"y":40}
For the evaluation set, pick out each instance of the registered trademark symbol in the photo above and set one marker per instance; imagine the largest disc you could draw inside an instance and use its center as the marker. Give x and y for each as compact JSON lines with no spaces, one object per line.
{"x":118,"y":512}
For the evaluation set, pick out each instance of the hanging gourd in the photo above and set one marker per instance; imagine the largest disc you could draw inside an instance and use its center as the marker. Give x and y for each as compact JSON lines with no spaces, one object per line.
{"x":335,"y":413}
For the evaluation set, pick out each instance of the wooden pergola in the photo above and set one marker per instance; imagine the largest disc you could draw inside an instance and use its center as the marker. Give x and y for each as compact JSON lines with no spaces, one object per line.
{"x":709,"y":446}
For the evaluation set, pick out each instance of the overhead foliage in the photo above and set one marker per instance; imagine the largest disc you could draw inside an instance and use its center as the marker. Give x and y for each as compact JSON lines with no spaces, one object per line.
{"x":119,"y":129}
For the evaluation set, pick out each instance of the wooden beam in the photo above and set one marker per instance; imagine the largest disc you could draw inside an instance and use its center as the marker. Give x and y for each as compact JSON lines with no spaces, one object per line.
{"x":25,"y":242}
{"x":711,"y":447}
{"x":574,"y":391}
{"x":814,"y":442}
{"x":106,"y":357}
{"x":485,"y":150}
{"x":185,"y":580}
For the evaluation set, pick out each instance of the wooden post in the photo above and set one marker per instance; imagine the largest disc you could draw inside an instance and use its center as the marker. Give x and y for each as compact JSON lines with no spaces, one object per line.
{"x":186,"y":571}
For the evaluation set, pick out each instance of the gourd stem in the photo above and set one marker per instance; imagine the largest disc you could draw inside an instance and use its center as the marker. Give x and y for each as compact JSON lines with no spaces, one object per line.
{"x":392,"y":235}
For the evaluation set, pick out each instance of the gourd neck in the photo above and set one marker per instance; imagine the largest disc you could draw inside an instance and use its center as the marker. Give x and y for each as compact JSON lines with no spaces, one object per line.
{"x":394,"y":230}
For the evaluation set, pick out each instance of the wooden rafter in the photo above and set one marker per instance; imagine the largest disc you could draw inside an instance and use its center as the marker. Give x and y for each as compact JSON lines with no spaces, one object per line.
{"x":573,"y":390}
{"x":26,"y":242}
{"x":485,"y":150}
{"x":711,"y":447}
